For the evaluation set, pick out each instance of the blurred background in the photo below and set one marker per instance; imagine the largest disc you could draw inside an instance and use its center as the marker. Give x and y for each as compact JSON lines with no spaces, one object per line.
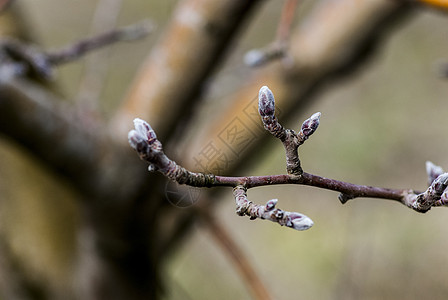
{"x":378,"y":127}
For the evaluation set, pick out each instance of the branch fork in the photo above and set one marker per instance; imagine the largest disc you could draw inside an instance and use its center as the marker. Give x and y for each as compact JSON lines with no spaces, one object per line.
{"x":290,"y":139}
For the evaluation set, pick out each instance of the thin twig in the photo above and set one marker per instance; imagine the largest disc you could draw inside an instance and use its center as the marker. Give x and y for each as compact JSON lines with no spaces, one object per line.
{"x":79,"y":49}
{"x":19,"y":56}
{"x":285,"y":24}
{"x":276,"y":49}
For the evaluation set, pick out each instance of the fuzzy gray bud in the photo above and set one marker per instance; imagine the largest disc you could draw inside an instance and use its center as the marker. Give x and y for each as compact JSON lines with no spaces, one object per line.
{"x":299,"y":221}
{"x":145,"y":130}
{"x":138,"y":141}
{"x":432,"y":195}
{"x":310,"y":125}
{"x":266,"y":102}
{"x":440,"y":184}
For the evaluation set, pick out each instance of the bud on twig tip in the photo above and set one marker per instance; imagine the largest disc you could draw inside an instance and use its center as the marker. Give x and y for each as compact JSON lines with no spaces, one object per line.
{"x":443,"y":181}
{"x":310,"y":125}
{"x":299,"y":221}
{"x":266,"y":102}
{"x":134,"y":138}
{"x":145,"y":130}
{"x":316,"y":116}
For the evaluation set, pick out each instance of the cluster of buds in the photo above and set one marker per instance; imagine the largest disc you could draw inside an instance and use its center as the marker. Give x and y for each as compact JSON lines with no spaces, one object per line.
{"x":290,"y":139}
{"x":144,"y":140}
{"x":437,"y":192}
{"x":266,"y":108}
{"x":292,"y":220}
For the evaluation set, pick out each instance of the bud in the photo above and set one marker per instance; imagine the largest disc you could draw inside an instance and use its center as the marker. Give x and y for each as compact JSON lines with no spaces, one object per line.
{"x":299,"y":221}
{"x":433,"y":171}
{"x":344,"y":197}
{"x":145,"y":130}
{"x":440,"y":184}
{"x":432,"y":195}
{"x":310,"y":125}
{"x":266,"y":102}
{"x":138,"y":141}
{"x":270,"y":205}
{"x":443,"y":200}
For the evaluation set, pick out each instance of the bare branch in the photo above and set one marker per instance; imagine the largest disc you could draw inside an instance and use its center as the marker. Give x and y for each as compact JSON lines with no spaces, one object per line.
{"x":244,"y":207}
{"x":278,"y":48}
{"x":285,"y":24}
{"x":41,"y":63}
{"x":144,"y":140}
{"x":73,"y":52}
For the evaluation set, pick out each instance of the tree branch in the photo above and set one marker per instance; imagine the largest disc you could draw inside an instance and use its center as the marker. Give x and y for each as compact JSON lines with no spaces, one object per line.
{"x":278,"y":48}
{"x":150,"y":150}
{"x":79,"y":49}
{"x":144,"y":140}
{"x":244,"y":207}
{"x":24,"y":56}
